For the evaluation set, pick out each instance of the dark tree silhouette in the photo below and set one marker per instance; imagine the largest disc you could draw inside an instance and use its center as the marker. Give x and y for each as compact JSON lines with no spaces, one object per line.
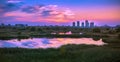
{"x":32,"y":29}
{"x":117,"y":29}
{"x":96,"y":30}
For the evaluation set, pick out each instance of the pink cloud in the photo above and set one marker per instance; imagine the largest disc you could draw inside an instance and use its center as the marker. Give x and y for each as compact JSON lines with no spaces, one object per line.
{"x":18,"y":14}
{"x":53,"y":14}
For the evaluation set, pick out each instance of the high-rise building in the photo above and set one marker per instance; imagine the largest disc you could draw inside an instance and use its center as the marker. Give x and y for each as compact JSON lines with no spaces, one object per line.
{"x":78,"y":24}
{"x":73,"y":24}
{"x":91,"y":24}
{"x":86,"y":24}
{"x":82,"y":25}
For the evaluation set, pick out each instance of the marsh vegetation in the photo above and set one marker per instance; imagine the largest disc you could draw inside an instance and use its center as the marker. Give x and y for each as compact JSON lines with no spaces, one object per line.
{"x":66,"y":53}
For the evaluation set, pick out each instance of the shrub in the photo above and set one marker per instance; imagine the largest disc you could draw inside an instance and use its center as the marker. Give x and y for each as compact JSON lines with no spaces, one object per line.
{"x":117,"y":29}
{"x":119,"y":36}
{"x":96,"y":30}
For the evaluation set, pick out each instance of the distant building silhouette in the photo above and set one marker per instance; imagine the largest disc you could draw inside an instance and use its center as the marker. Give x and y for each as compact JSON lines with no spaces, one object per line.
{"x":2,"y":24}
{"x":91,"y":24}
{"x":82,"y":25}
{"x":73,"y":24}
{"x":86,"y":24}
{"x":21,"y":25}
{"x":78,"y":24}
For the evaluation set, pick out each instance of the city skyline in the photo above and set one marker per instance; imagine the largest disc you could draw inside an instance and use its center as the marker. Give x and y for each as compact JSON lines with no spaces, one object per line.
{"x":59,"y":12}
{"x":85,"y":24}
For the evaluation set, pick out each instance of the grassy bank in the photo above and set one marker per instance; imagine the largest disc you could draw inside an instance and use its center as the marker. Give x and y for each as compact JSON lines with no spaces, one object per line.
{"x":6,"y":37}
{"x":112,"y":42}
{"x":34,"y":31}
{"x":68,"y":53}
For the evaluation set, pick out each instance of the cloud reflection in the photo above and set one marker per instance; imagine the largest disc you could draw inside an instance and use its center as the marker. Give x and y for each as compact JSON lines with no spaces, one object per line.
{"x":48,"y":43}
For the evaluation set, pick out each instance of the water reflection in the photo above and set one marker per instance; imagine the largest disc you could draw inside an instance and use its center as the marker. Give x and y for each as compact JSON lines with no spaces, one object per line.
{"x":48,"y":42}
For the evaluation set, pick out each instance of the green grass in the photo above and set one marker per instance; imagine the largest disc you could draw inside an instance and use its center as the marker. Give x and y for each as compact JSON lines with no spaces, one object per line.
{"x":112,"y":42}
{"x":67,"y":53}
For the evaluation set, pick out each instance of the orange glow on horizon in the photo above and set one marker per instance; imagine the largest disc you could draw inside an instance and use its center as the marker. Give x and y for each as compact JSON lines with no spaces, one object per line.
{"x":98,"y":14}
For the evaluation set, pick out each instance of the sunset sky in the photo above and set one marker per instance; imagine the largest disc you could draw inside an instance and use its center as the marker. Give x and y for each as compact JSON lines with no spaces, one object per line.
{"x":59,"y":12}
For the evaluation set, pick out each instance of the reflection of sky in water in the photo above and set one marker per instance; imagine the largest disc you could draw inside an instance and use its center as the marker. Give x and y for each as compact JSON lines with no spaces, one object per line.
{"x":48,"y":43}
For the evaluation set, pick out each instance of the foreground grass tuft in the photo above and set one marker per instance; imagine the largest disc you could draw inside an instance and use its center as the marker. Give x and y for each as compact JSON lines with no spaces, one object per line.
{"x":67,"y":53}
